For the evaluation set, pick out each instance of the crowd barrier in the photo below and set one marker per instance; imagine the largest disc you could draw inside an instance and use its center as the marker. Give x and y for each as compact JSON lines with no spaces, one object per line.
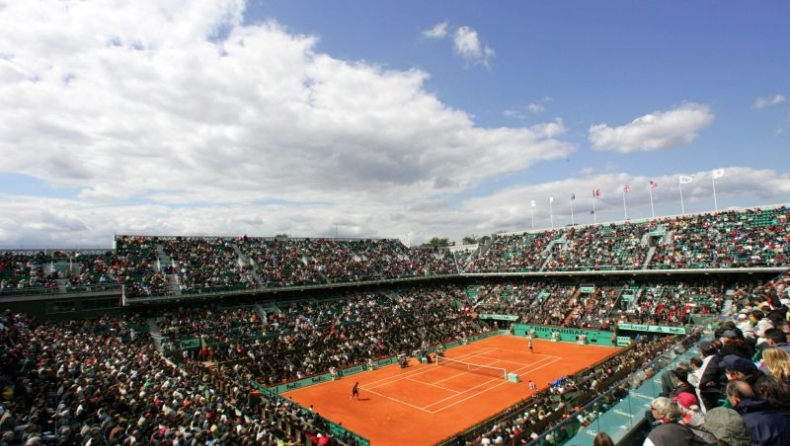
{"x":558,"y":334}
{"x":629,"y":413}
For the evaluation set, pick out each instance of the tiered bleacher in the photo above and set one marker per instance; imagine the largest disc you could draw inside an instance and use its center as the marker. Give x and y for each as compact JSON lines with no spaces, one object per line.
{"x":182,"y":373}
{"x":160,"y":266}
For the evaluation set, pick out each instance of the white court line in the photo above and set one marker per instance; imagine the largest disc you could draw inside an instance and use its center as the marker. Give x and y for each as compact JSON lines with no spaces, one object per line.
{"x":428,"y":384}
{"x":484,"y":383}
{"x":486,"y":390}
{"x":398,"y":401}
{"x":521,"y":363}
{"x":405,"y":375}
{"x":464,"y":399}
{"x":435,"y":385}
{"x":530,"y":364}
{"x":411,"y":375}
{"x":529,"y":367}
{"x":396,"y":378}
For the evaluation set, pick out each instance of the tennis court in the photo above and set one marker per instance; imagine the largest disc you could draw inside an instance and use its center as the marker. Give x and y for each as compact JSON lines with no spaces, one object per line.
{"x":425,"y":403}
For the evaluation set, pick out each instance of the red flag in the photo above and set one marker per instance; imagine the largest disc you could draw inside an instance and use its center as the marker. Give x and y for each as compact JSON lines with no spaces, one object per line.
{"x":653,"y":184}
{"x":626,"y":188}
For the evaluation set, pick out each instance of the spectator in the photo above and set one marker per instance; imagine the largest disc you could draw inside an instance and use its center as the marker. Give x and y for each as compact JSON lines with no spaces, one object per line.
{"x":766,"y":425}
{"x":738,"y":368}
{"x":727,"y":426}
{"x":708,"y":390}
{"x":603,"y":439}
{"x":777,"y":362}
{"x":668,"y":431}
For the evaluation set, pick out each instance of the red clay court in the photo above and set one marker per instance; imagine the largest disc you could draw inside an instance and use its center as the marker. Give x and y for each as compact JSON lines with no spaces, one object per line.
{"x":425,"y":403}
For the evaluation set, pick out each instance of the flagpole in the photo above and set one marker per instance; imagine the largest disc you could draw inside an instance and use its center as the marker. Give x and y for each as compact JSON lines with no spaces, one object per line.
{"x":652,"y":210}
{"x":595,"y":215}
{"x":625,"y":210}
{"x":715,"y":203}
{"x":573,"y":221}
{"x":551,"y":212}
{"x":680,"y":186}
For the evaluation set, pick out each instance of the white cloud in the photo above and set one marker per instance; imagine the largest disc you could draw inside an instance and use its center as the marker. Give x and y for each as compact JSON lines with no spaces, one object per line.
{"x":509,"y":209}
{"x":523,"y":113}
{"x":59,"y":223}
{"x":439,"y":31}
{"x":467,"y":44}
{"x":183,"y":108}
{"x":767,"y":102}
{"x":535,"y":107}
{"x":662,"y":130}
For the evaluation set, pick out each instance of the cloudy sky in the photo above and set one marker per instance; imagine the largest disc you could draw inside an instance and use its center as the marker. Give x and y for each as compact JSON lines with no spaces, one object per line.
{"x":405,"y":119}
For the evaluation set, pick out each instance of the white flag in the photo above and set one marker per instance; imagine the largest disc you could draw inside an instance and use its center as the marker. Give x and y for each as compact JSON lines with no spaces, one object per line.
{"x":718,"y":173}
{"x":551,"y":199}
{"x":685,"y":179}
{"x":533,"y":203}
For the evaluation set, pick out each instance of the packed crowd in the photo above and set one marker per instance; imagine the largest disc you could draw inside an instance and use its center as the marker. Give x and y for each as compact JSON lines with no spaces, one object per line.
{"x":510,"y":297}
{"x":596,"y":248}
{"x":308,"y":337}
{"x":340,"y":261}
{"x":727,"y":239}
{"x":23,"y":272}
{"x":515,"y":253}
{"x":206,"y":264}
{"x":571,"y":305}
{"x":157,"y":266}
{"x":737,"y":391}
{"x":105,"y":381}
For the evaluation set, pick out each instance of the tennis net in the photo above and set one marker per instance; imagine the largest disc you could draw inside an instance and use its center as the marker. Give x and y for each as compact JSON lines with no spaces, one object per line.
{"x":498,"y":372}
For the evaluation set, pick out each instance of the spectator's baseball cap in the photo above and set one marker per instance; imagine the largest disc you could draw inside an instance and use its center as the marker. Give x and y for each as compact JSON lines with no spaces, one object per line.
{"x":737,"y":364}
{"x":686,"y":399}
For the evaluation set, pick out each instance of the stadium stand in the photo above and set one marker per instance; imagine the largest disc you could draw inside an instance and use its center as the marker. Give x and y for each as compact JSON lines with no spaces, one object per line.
{"x":251,"y":298}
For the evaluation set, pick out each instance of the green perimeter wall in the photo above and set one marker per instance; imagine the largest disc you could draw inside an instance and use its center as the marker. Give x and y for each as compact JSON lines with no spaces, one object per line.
{"x":566,"y":334}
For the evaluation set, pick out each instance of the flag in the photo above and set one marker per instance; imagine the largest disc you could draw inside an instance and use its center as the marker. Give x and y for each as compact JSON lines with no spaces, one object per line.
{"x":626,"y":188}
{"x":653,"y":184}
{"x":596,"y":192}
{"x":533,"y":203}
{"x":551,"y":199}
{"x":685,"y":179}
{"x":573,"y":197}
{"x":718,"y":173}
